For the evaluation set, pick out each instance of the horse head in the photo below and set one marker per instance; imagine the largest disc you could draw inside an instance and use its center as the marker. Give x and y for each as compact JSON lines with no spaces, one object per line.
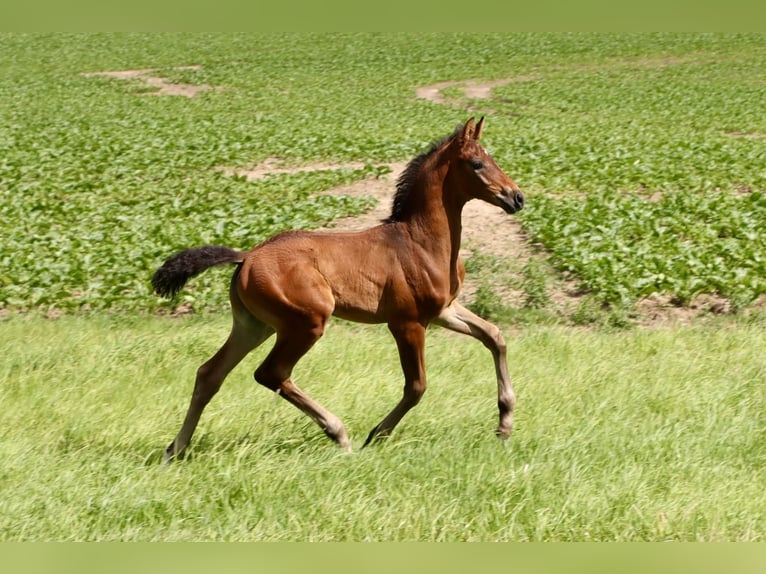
{"x":478,"y":175}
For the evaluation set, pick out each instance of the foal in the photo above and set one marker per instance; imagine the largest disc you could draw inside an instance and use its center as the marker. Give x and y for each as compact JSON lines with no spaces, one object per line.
{"x":404,"y":272}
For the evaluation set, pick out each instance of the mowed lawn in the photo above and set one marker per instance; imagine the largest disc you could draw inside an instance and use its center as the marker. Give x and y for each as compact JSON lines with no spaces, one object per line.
{"x":634,"y":435}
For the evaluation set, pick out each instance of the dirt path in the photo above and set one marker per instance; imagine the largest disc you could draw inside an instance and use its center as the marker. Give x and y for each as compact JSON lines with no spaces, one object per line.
{"x":485,"y":227}
{"x":487,"y":230}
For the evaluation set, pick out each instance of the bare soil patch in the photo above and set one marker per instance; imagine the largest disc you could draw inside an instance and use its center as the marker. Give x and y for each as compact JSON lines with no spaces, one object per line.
{"x":749,"y":135}
{"x":275,"y":166}
{"x":474,"y":89}
{"x":162,"y":86}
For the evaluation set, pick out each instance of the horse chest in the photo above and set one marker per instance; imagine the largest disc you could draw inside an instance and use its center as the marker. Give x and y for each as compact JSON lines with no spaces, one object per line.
{"x":431,"y":287}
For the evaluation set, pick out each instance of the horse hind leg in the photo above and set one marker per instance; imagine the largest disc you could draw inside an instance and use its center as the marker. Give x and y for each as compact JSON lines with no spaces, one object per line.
{"x":245,"y":336}
{"x":276,"y":370}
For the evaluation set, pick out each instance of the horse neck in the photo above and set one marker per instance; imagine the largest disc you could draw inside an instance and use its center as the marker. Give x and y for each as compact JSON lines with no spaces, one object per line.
{"x":435,"y":218}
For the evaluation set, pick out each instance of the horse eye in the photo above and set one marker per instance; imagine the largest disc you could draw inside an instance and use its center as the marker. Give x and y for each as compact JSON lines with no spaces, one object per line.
{"x":476,"y":164}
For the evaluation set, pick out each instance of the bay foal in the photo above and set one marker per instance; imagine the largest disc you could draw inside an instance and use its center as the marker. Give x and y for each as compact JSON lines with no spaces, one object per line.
{"x":404,"y":272}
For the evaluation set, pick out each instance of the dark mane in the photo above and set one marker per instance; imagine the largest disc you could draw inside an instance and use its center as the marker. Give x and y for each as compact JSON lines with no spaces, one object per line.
{"x":407,"y":179}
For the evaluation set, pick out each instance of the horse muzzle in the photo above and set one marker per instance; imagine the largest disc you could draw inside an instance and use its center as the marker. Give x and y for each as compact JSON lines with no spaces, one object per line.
{"x":511,"y":200}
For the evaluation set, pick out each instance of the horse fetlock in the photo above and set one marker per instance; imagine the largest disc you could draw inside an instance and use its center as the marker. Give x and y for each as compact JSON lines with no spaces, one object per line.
{"x":171,"y":454}
{"x":503,"y":431}
{"x":506,"y":403}
{"x":506,"y":419}
{"x":375,"y":434}
{"x":340,"y":438}
{"x":335,"y":430}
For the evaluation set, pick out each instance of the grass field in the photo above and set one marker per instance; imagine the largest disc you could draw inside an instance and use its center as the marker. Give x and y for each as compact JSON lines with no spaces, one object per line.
{"x":637,"y":435}
{"x":643,"y":158}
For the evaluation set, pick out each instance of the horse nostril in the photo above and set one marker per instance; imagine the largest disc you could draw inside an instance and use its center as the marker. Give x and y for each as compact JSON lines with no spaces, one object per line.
{"x":519,"y":200}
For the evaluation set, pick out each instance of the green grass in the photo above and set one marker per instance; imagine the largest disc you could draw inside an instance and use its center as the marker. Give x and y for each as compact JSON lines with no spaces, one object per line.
{"x":637,"y":435}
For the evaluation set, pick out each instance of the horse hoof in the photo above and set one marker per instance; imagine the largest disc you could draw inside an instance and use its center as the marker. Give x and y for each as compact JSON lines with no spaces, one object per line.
{"x":171,"y":455}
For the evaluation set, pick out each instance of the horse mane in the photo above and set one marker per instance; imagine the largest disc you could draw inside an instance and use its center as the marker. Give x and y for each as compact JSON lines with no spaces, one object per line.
{"x":406,"y":182}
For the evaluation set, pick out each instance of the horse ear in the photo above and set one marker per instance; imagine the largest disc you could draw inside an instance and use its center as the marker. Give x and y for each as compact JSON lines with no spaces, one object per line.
{"x":468,"y":130}
{"x":477,"y":131}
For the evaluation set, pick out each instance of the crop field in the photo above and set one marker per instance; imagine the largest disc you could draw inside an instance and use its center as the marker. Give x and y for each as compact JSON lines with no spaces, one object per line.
{"x":643,"y":158}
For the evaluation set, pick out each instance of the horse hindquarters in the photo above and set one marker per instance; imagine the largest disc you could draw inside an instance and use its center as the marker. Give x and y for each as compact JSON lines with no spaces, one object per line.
{"x":296,"y":299}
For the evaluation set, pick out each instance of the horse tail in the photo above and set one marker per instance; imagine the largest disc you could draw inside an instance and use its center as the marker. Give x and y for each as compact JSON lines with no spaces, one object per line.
{"x":170,"y":278}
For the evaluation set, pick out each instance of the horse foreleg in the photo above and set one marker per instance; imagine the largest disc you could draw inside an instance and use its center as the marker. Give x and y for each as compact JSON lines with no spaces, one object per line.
{"x":410,"y":340}
{"x":210,"y":377}
{"x":458,"y":318}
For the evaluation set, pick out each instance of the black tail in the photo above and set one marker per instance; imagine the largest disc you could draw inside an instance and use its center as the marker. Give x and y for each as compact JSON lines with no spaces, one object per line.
{"x":169,"y":279}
